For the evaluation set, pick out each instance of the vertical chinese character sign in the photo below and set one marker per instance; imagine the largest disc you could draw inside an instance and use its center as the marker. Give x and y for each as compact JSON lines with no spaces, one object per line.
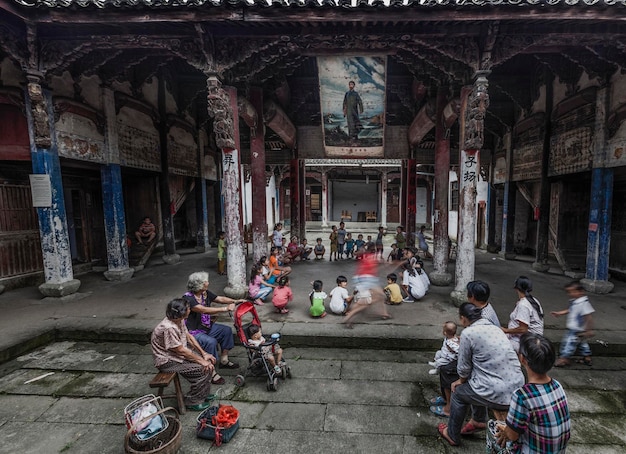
{"x":352,"y":97}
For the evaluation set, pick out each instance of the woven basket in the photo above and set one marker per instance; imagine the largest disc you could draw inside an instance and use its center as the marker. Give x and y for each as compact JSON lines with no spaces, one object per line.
{"x":166,"y":442}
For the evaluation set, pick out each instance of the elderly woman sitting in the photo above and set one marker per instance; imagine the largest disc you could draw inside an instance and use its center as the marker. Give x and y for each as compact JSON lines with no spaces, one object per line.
{"x":489,"y":372}
{"x":201,"y":321}
{"x":171,"y":350}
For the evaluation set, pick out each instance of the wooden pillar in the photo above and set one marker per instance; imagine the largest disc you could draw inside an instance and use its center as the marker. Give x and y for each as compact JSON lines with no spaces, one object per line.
{"x":46,"y":183}
{"x":411,"y":202}
{"x":599,"y":233}
{"x":301,"y":230}
{"x":325,"y":198}
{"x":168,"y":208}
{"x":440,"y":276}
{"x":112,"y":198}
{"x":295,"y":194}
{"x":222,"y":106}
{"x":543,"y":227}
{"x":474,"y":103}
{"x":200,"y":192}
{"x":257,"y":173}
{"x":403,"y":193}
{"x":383,"y":199}
{"x":508,"y":208}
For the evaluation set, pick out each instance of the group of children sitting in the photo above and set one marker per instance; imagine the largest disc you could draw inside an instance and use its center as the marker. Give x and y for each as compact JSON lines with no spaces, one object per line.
{"x":415,"y":284}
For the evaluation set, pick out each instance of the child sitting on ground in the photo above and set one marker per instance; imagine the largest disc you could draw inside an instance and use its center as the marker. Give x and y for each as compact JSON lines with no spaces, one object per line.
{"x":317,"y":297}
{"x":272,"y":353}
{"x":339,"y":298}
{"x":393,"y":255}
{"x":449,"y":350}
{"x":319,"y":250}
{"x":282,"y":295}
{"x":538,"y":419}
{"x":393,"y":292}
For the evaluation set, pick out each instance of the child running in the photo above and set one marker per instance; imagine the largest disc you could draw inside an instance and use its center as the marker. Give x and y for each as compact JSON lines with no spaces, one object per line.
{"x":317,"y":297}
{"x":370,"y":293}
{"x":579,"y":326}
{"x":393,"y":292}
{"x":339,"y":298}
{"x":282,"y":295}
{"x":449,"y":351}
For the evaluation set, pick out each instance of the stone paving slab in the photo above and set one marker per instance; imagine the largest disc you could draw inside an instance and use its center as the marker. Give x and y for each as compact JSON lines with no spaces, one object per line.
{"x":86,"y":411}
{"x":50,"y":385}
{"x":293,"y":416}
{"x":24,"y":408}
{"x":93,"y":384}
{"x":41,"y":437}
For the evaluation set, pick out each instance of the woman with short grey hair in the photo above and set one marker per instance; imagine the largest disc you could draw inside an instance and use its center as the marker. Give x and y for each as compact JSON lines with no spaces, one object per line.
{"x":201,"y":320}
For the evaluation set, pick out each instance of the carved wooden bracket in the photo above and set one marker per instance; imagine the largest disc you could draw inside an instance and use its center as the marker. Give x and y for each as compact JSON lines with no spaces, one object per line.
{"x":39,"y":110}
{"x":477,"y":105}
{"x":219,"y":109}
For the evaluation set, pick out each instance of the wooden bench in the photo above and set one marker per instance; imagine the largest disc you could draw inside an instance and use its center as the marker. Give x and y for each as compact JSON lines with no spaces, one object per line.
{"x":162,"y":380}
{"x":370,"y":216}
{"x":346,"y":215}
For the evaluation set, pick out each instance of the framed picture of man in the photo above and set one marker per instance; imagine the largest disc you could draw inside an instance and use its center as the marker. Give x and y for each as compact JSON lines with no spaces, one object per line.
{"x":352,"y":96}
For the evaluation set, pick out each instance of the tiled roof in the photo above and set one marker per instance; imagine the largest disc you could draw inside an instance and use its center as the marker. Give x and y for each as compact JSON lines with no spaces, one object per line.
{"x":325,"y":3}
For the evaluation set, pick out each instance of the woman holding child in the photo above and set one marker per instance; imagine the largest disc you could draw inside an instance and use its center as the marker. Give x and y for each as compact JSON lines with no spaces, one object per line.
{"x":489,"y":371}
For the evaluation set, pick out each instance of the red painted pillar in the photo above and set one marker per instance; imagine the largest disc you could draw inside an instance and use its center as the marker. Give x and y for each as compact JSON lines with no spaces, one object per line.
{"x":257,"y":170}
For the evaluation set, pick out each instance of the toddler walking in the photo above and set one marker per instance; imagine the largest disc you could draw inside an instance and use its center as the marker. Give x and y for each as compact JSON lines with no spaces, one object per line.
{"x":449,"y":350}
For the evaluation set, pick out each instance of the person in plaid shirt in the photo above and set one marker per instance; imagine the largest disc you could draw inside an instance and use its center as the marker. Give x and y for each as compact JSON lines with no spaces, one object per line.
{"x":538,"y":420}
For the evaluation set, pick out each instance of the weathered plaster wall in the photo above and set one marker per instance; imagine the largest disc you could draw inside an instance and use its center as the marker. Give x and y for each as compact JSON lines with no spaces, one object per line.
{"x":11,"y":74}
{"x":78,"y":138}
{"x":62,"y":85}
{"x":182,"y":152}
{"x":540,"y":103}
{"x":91,"y":91}
{"x":138,"y":140}
{"x":150,"y":92}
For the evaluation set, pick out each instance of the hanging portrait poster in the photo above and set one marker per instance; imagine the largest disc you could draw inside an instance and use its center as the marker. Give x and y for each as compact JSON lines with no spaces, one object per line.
{"x":352,"y":96}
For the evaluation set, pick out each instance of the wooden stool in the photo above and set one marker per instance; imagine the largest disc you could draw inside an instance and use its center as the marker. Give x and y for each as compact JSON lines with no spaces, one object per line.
{"x":162,"y":381}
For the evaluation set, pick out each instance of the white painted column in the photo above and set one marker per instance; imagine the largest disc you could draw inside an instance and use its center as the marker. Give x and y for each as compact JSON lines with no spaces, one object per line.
{"x":324,"y":199}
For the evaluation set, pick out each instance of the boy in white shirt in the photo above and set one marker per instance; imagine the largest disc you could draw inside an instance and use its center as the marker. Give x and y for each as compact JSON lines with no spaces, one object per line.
{"x":340,"y":299}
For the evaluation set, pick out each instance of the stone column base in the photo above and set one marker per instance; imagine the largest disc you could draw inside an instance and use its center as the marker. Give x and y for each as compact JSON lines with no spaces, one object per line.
{"x":440,"y":279}
{"x":119,"y":275}
{"x":171,"y":259}
{"x":236,"y":293}
{"x":507,"y":255}
{"x":600,"y":287}
{"x":61,"y":289}
{"x":202,"y":248}
{"x":541,"y":267}
{"x":1,"y":289}
{"x":458,"y":297}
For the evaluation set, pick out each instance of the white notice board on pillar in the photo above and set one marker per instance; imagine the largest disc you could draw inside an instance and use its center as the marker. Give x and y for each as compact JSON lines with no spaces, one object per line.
{"x":41,"y":190}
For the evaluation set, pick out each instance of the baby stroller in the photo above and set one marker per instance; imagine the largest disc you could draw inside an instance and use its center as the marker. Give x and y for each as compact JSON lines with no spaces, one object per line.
{"x":258,"y":366}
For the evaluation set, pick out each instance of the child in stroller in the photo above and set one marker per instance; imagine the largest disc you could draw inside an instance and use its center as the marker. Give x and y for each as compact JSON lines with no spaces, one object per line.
{"x":259,"y":353}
